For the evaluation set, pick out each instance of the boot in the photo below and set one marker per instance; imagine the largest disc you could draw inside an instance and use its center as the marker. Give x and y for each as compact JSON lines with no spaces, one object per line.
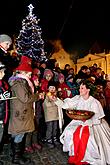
{"x":55,"y":140}
{"x":12,"y":147}
{"x":1,"y":163}
{"x":29,"y":150}
{"x":17,"y":155}
{"x":50,"y":144}
{"x":1,"y":148}
{"x":36,"y":146}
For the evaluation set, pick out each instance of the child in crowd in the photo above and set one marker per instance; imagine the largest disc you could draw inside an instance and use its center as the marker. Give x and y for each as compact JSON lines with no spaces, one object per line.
{"x":4,"y":95}
{"x":63,"y":87}
{"x":32,"y":143}
{"x":52,"y":115}
{"x":64,"y":92}
{"x":47,"y":77}
{"x":36,"y":72}
{"x":72,"y":85}
{"x":21,"y":110}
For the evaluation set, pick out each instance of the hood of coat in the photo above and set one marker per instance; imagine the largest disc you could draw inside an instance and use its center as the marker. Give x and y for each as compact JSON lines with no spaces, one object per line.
{"x":13,"y":80}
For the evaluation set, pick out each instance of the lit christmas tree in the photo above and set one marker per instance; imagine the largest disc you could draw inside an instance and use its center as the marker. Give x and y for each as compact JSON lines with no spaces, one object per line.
{"x":29,"y":42}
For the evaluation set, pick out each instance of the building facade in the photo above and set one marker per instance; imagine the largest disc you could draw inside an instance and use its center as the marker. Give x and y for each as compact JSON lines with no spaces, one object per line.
{"x":102,"y":60}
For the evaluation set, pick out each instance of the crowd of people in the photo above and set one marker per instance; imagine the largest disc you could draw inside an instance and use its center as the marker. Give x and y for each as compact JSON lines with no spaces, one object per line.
{"x":34,"y":97}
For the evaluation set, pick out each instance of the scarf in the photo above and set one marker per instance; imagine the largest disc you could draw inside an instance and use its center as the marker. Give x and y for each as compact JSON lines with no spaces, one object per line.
{"x":28,"y":80}
{"x":3,"y":49}
{"x":80,"y":140}
{"x":31,"y":86}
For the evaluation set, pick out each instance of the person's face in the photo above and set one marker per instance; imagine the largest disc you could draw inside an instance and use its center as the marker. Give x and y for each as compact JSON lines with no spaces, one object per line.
{"x":28,"y":74}
{"x":83,"y":90}
{"x":52,"y":89}
{"x":61,"y":80}
{"x":48,"y":77}
{"x":71,"y":71}
{"x":36,"y":82}
{"x":5,"y":45}
{"x":93,"y":79}
{"x":43,"y":65}
{"x":70,"y":80}
{"x":84,"y":70}
{"x":2,"y":73}
{"x":95,"y":66}
{"x":68,"y":67}
{"x":98,"y":72}
{"x":99,"y":88}
{"x":108,"y":84}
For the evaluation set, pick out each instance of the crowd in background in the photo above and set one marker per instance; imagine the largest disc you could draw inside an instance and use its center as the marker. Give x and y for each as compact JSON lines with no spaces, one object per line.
{"x":67,"y":82}
{"x":30,"y":89}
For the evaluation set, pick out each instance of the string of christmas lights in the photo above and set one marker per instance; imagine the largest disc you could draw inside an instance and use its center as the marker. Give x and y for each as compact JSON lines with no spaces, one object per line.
{"x":29,"y":41}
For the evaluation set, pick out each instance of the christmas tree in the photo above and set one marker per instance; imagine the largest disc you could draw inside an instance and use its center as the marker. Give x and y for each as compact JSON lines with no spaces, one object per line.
{"x":29,"y":42}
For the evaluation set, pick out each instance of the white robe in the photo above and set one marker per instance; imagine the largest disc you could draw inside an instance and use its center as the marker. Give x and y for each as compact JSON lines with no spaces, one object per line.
{"x":98,"y":146}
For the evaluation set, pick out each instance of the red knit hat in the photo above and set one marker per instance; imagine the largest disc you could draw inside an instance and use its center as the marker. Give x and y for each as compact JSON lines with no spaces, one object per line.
{"x":34,"y":77}
{"x":60,"y":76}
{"x":36,"y":71}
{"x":47,"y":71}
{"x":24,"y":67}
{"x":25,"y":59}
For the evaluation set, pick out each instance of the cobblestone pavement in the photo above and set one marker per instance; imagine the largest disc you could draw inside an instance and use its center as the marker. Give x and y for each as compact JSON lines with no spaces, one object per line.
{"x":45,"y":157}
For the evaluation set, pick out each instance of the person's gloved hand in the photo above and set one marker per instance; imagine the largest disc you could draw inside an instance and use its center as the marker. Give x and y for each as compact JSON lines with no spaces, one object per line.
{"x":5,"y":95}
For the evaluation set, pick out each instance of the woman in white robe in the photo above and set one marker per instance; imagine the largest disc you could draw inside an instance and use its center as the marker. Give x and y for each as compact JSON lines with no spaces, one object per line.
{"x":97,"y":147}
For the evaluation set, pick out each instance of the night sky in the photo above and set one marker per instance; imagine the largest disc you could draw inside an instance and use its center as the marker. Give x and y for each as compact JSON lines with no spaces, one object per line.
{"x":78,"y":23}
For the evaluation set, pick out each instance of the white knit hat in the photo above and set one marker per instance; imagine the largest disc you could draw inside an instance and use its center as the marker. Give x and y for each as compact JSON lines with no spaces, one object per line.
{"x":4,"y":38}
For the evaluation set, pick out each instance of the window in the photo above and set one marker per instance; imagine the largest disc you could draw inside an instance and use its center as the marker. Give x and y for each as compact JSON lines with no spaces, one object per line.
{"x":89,"y":58}
{"x":100,"y":65}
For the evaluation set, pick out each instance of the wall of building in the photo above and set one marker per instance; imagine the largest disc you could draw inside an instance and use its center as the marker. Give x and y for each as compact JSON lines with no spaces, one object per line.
{"x":102,"y":60}
{"x":62,"y":58}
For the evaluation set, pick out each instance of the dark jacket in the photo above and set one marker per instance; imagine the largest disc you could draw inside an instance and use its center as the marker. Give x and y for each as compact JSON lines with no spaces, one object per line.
{"x":2,"y":103}
{"x":10,"y":63}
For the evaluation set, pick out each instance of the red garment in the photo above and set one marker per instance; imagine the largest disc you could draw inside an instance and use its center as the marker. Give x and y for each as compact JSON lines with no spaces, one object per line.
{"x":44,"y":85}
{"x":64,"y":87}
{"x":80,"y":144}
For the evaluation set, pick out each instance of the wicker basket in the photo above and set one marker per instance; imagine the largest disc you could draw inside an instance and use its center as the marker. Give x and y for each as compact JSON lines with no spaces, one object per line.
{"x":79,"y":114}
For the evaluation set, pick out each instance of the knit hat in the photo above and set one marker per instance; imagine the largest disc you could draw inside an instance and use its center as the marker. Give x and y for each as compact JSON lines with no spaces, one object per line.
{"x":60,"y":76}
{"x":4,"y":38}
{"x":48,"y":71}
{"x":69,"y":77}
{"x":25,"y":59}
{"x":36,"y":71}
{"x":34,"y":77}
{"x":52,"y":83}
{"x":24,"y":67}
{"x":2,"y":66}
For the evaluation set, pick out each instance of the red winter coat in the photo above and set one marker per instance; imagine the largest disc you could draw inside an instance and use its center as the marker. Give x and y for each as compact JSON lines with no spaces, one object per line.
{"x":64,"y":87}
{"x":44,"y":85}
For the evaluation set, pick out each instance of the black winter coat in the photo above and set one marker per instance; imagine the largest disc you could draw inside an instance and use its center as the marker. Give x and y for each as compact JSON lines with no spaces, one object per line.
{"x":2,"y":105}
{"x":10,"y":63}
